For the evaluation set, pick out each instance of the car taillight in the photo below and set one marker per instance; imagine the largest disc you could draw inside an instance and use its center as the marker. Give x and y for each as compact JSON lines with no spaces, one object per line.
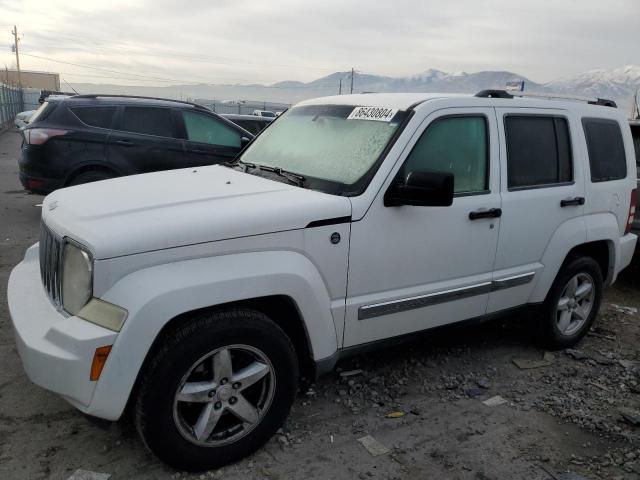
{"x":38,"y":136}
{"x":632,"y":210}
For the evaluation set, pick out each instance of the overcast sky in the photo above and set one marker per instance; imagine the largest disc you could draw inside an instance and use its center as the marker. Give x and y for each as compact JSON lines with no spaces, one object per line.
{"x":251,"y":41}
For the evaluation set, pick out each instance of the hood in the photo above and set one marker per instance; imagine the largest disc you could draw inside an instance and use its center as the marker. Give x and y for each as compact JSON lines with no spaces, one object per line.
{"x":154,"y":211}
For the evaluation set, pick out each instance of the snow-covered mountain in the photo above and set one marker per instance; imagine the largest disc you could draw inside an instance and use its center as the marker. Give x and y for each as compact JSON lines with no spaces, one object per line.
{"x":618,"y":84}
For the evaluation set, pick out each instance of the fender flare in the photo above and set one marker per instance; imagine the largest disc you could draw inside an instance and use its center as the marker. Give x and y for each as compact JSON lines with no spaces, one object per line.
{"x":154,"y":296}
{"x":569,"y":235}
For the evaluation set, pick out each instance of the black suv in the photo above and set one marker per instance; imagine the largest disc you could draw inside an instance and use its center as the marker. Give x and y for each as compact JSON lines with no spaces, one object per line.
{"x":86,"y":138}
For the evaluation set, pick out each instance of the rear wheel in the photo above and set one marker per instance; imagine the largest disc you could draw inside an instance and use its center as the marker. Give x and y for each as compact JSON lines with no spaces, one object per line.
{"x":90,"y":176}
{"x":572,"y":303}
{"x":216,"y":389}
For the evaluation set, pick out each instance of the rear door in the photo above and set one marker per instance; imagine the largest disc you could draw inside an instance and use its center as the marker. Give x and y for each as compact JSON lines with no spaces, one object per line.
{"x":144,"y":139}
{"x":542,"y":188}
{"x":209,"y":140}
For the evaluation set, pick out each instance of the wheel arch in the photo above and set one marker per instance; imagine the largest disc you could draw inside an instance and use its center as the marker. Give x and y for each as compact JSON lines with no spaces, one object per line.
{"x":90,"y":167}
{"x":161,"y":296}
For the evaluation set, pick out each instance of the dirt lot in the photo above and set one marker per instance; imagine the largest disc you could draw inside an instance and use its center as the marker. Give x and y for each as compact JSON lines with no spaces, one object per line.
{"x":575,"y":416}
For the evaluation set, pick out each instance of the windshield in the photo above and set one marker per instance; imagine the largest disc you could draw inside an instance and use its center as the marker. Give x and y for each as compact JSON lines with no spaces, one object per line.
{"x":326,"y":143}
{"x":268,"y":114}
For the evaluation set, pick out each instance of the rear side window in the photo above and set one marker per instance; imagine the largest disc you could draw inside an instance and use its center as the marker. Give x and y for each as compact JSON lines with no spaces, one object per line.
{"x":148,"y":120}
{"x":606,"y":149}
{"x":205,"y":129}
{"x":95,"y":116}
{"x":538,"y":151}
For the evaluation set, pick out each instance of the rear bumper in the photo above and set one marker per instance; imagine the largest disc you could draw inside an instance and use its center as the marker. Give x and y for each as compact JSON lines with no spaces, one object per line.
{"x":56,"y":350}
{"x":35,"y":173}
{"x":626,"y":249}
{"x":38,"y":184}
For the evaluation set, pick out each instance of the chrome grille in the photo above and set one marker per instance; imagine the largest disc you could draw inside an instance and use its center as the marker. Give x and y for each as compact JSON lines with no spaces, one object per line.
{"x":51,"y":250}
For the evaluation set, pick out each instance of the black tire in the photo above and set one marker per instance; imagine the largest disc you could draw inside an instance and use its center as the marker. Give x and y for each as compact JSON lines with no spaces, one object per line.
{"x":89,"y":177}
{"x":172,"y":359}
{"x":550,"y":334}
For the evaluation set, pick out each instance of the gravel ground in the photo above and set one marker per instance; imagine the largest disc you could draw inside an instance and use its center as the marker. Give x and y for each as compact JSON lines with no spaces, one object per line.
{"x":574,"y":415}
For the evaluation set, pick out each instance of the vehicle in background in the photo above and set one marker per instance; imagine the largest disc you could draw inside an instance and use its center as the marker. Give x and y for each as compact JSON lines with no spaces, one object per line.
{"x":250,"y":123}
{"x":22,"y":119}
{"x":45,"y":94}
{"x":86,"y":138}
{"x":635,"y":133}
{"x":200,"y":297}
{"x":264,"y":113}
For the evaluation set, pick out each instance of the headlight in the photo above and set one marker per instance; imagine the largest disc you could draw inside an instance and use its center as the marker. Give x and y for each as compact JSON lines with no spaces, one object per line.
{"x":77,"y":278}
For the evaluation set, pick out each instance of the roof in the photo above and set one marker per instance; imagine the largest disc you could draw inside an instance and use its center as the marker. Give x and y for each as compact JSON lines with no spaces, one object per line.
{"x":404,"y":101}
{"x":401,"y":101}
{"x":130,"y":99}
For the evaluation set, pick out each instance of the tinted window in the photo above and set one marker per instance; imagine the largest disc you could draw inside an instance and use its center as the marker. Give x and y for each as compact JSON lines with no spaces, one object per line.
{"x":251,"y":126}
{"x":205,"y":129}
{"x":95,"y":116}
{"x":455,"y":144}
{"x":538,"y":151}
{"x":606,"y":149}
{"x":148,"y":120}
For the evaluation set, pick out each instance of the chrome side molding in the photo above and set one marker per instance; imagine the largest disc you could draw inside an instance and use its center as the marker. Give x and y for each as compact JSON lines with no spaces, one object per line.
{"x":412,"y":303}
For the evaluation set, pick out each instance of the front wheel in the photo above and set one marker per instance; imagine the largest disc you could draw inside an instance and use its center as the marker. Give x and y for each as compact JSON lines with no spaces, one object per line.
{"x":216,"y":389}
{"x":572,"y":303}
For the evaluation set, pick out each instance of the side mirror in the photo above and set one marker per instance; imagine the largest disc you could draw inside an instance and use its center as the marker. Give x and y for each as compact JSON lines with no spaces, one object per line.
{"x":422,"y":189}
{"x":244,"y":141}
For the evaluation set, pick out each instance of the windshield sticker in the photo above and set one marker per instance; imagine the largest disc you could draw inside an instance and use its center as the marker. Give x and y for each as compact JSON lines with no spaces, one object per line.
{"x":379,"y":114}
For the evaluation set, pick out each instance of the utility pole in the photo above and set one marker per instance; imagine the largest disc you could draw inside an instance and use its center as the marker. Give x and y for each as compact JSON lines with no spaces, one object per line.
{"x":352,"y":80}
{"x":340,"y":87}
{"x":15,"y":47}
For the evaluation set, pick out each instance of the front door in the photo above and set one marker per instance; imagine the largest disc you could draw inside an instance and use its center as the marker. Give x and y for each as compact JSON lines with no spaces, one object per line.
{"x":208,"y":139}
{"x":413,"y":268}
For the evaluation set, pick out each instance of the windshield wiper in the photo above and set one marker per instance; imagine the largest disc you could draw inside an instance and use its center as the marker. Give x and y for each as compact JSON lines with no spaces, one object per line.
{"x":292,"y":177}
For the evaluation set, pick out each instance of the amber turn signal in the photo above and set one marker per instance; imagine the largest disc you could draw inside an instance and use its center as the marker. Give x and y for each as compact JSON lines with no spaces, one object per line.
{"x":99,"y":359}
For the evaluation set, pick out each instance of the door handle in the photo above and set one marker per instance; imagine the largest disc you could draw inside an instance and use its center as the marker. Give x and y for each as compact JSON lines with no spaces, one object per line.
{"x":567,"y":202}
{"x":490,"y":213}
{"x":197,"y":150}
{"x":124,"y":143}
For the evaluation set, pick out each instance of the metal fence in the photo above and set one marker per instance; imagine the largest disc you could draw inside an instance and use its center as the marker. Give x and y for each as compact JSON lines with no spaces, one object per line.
{"x":241,"y":107}
{"x":11,"y":103}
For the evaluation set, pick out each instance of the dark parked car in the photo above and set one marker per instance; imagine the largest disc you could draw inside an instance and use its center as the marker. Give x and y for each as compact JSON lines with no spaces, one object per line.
{"x":250,"y":123}
{"x":86,"y":138}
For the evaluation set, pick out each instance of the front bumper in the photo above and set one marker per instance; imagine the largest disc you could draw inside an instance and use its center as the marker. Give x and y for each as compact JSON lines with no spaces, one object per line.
{"x":56,"y":350}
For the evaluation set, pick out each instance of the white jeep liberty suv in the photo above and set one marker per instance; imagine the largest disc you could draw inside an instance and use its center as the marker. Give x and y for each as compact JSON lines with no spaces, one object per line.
{"x":199,"y":296}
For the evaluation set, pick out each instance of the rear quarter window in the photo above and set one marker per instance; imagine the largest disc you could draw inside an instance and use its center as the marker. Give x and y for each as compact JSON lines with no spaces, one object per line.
{"x":607,"y":159}
{"x":95,"y":116}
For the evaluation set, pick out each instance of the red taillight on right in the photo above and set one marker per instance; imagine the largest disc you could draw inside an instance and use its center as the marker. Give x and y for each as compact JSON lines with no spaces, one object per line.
{"x":38,"y":136}
{"x":632,"y":210}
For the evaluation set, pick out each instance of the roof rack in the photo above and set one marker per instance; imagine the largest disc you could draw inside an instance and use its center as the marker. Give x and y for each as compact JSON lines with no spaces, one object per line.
{"x":96,"y":95}
{"x":552,"y":96}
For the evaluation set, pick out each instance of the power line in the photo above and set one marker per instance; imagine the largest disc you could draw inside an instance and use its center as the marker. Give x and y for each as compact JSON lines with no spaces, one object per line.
{"x":165,"y":79}
{"x":176,"y":53}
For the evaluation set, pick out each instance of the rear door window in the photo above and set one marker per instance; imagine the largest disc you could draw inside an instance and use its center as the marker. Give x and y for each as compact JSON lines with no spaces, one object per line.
{"x":606,"y":149}
{"x":95,"y":116}
{"x":205,"y":129}
{"x":538,"y":151}
{"x":148,"y":120}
